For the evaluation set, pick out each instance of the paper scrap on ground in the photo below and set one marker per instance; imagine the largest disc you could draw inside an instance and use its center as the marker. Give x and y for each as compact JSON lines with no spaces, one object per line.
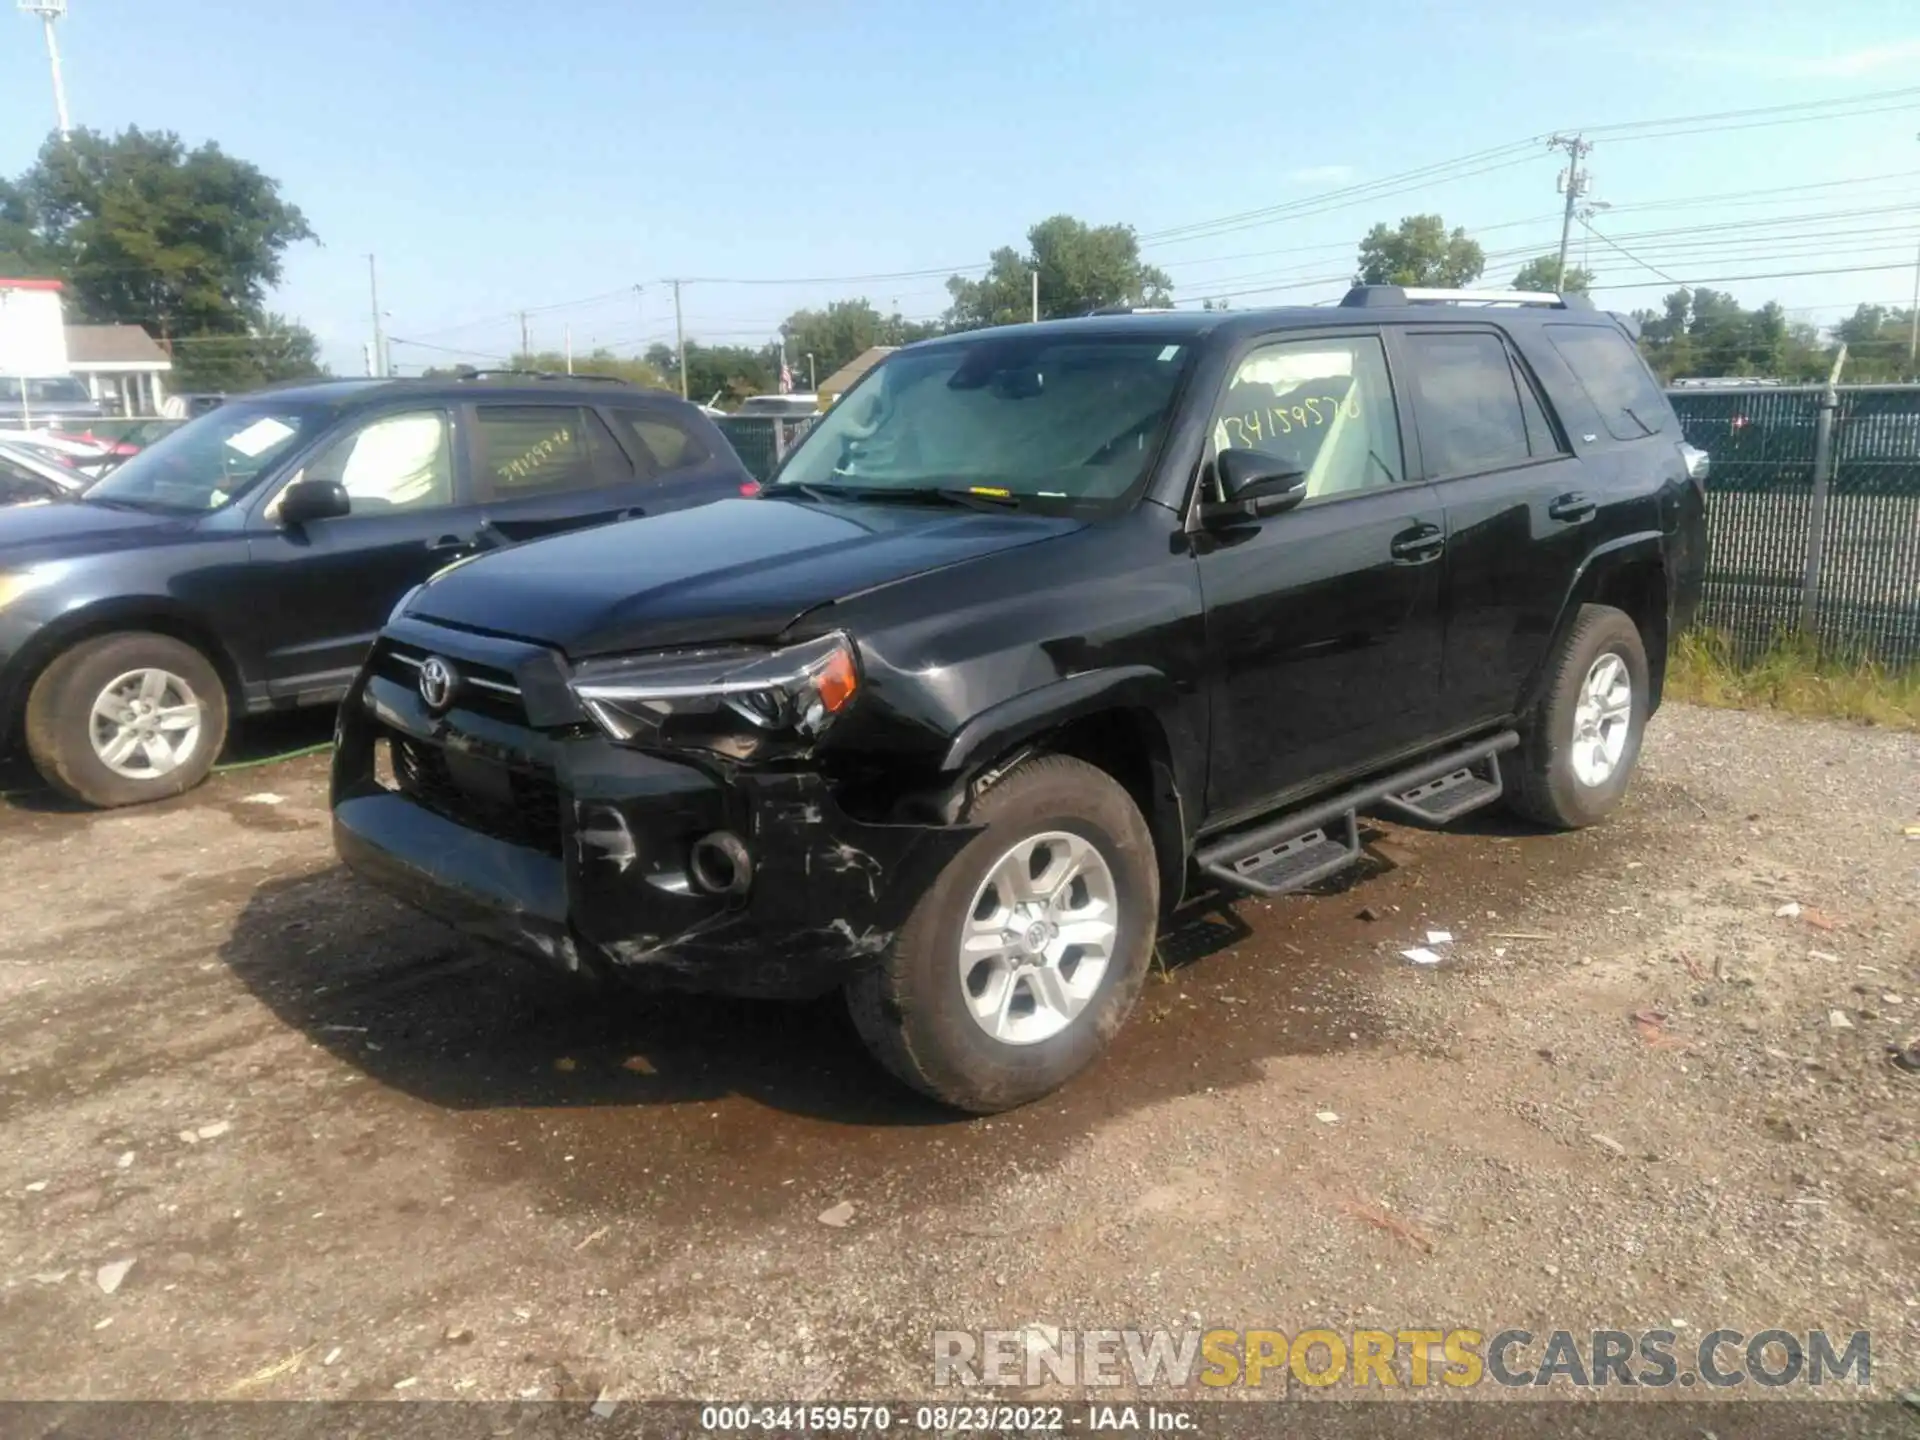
{"x":1420,"y":955}
{"x":1439,"y":937}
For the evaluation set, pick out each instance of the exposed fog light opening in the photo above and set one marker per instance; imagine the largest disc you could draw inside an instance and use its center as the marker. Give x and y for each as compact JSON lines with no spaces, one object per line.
{"x":719,"y":864}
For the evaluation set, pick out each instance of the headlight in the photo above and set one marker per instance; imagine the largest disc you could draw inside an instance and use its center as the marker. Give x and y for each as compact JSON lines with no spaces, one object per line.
{"x":736,"y":702}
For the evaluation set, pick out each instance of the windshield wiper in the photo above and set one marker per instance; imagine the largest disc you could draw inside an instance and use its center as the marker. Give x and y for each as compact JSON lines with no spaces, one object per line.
{"x":905,"y":494}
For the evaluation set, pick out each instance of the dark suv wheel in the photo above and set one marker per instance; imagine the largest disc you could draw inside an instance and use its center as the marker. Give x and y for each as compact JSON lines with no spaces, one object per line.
{"x":1027,"y":953}
{"x":1579,"y":747}
{"x":126,"y":718}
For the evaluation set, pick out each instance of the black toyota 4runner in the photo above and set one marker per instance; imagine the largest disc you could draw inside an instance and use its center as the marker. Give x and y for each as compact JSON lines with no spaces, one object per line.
{"x":1039,"y":629}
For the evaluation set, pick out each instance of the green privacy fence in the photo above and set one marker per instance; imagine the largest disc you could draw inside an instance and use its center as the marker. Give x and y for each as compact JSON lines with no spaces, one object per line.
{"x":1814,"y":524}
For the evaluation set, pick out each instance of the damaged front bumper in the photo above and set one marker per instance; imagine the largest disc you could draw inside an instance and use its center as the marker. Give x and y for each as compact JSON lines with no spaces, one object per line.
{"x":521,"y":828}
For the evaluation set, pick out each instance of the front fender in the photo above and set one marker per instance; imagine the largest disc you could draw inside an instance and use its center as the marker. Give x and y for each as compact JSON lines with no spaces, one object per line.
{"x":1014,"y":721}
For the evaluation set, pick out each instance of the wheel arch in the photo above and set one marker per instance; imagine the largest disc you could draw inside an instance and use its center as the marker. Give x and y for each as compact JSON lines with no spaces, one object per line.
{"x":142,"y":613}
{"x":1115,"y":720}
{"x":1630,"y":575}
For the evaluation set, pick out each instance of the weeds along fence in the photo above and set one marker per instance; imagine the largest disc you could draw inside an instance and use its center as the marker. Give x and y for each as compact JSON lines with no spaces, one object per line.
{"x":1813,"y":514}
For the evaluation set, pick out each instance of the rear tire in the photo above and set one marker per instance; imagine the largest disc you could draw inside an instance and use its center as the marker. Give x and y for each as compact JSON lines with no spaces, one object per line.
{"x":126,"y":718}
{"x":1579,"y":747}
{"x":988,"y":997}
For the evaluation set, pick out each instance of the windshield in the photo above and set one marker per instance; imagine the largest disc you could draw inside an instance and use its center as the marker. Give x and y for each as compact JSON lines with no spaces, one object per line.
{"x":1062,"y":419}
{"x":208,"y":461}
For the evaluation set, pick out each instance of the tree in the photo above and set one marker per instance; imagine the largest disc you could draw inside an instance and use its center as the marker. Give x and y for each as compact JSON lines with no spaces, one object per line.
{"x":1708,"y":333}
{"x":843,"y":331}
{"x":1543,"y":273}
{"x":145,"y":231}
{"x":21,"y":253}
{"x":732,"y":372}
{"x":1878,"y":340}
{"x":1420,"y":252}
{"x":600,"y":361}
{"x":272,"y":349}
{"x":1081,"y":268}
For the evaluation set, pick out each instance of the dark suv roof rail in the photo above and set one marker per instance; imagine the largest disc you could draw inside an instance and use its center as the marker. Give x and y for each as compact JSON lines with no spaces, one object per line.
{"x":464,"y":373}
{"x":1397,"y":295}
{"x":1131,"y":310}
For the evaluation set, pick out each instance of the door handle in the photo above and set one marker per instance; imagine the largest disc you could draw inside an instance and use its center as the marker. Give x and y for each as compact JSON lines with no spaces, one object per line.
{"x":1572,"y":508}
{"x":1418,"y":545}
{"x":448,"y":544}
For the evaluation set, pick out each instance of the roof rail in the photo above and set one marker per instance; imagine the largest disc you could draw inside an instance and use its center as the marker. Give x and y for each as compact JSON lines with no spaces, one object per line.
{"x":1131,"y":310}
{"x":1395,"y":295}
{"x":465,"y":373}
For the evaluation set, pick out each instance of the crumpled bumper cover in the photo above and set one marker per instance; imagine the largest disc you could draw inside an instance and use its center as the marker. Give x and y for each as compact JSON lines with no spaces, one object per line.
{"x":827,"y":896}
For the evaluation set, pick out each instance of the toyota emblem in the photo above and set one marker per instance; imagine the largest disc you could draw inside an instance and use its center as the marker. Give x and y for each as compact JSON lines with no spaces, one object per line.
{"x":438,"y":682}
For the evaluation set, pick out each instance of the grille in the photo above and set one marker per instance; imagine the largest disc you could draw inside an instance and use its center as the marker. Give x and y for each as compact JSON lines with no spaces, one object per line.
{"x":520,"y":807}
{"x":484,"y":690}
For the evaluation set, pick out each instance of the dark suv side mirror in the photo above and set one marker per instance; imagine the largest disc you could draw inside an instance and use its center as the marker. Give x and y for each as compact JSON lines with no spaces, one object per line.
{"x":305,"y":501}
{"x":1256,"y":485}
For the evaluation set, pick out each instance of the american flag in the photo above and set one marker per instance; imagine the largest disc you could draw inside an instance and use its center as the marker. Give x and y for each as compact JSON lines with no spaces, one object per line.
{"x":786,"y":375}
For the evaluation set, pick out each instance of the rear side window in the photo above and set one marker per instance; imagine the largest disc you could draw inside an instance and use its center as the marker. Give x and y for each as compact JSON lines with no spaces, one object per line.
{"x":1467,"y":403}
{"x":544,"y":450}
{"x":661,"y":438}
{"x":1609,"y":369}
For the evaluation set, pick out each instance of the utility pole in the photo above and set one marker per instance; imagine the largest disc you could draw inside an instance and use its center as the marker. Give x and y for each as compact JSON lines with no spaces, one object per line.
{"x":569,"y":349}
{"x":1573,"y":183}
{"x":379,"y":364}
{"x":813,"y":384}
{"x":1036,"y":297}
{"x":50,"y":12}
{"x":526,"y":346}
{"x":680,"y":338}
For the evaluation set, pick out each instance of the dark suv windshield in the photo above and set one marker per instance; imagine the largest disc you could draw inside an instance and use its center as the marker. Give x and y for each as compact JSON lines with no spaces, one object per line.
{"x":1068,"y":419}
{"x":211,"y":460}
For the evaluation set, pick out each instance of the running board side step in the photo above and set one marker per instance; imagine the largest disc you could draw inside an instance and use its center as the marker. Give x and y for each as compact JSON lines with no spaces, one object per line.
{"x":1305,"y":847}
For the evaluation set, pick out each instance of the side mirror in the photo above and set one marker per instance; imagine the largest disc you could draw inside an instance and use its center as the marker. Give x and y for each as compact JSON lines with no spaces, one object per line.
{"x":1256,"y":485}
{"x":305,"y":501}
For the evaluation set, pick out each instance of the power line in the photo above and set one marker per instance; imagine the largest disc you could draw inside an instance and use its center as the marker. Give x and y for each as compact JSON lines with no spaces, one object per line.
{"x":1588,"y":225}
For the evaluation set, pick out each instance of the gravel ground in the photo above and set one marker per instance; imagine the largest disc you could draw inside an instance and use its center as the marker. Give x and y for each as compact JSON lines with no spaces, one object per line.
{"x":347,"y":1156}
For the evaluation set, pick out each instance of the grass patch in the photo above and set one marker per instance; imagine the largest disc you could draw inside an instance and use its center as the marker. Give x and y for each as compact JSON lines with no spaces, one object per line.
{"x":1795,"y":677}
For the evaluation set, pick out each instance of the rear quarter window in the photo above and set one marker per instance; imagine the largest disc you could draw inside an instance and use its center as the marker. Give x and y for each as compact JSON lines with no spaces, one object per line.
{"x":663,"y":438}
{"x":1614,"y":378}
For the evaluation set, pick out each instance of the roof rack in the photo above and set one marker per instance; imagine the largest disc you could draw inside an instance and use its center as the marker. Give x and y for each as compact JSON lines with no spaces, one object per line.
{"x":1131,"y":310}
{"x":1396,"y":295}
{"x":464,"y":372}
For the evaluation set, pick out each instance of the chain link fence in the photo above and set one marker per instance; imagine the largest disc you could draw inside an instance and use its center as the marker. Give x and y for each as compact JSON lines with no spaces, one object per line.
{"x":1813,"y":513}
{"x":762,"y":441}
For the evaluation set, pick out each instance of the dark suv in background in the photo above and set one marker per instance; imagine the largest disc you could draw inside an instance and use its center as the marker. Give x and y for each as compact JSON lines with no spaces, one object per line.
{"x":1037,"y":631}
{"x":247,"y":560}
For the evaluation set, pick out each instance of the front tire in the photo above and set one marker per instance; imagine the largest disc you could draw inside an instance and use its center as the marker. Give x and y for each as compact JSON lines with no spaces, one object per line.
{"x":1579,"y":748}
{"x":126,"y":718}
{"x":1028,"y":951}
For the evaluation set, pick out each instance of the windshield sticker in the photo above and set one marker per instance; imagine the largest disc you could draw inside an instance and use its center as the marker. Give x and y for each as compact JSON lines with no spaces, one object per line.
{"x":1168,"y":353}
{"x":261,"y":436}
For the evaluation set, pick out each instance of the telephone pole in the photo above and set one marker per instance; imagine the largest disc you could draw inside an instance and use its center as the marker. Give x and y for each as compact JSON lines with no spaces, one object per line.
{"x":1036,"y":297}
{"x":377,"y":364}
{"x":680,"y":338}
{"x":526,"y":346}
{"x":1573,"y":183}
{"x":50,"y":13}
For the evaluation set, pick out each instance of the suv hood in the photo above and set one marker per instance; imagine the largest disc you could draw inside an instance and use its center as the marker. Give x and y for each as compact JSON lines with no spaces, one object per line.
{"x":63,"y":529}
{"x":732,"y":570}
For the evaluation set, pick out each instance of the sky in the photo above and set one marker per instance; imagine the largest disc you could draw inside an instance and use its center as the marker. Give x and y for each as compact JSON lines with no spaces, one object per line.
{"x":503,"y":156}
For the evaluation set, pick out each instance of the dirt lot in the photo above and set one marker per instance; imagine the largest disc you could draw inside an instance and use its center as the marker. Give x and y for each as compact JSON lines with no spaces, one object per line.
{"x":349,"y":1157}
